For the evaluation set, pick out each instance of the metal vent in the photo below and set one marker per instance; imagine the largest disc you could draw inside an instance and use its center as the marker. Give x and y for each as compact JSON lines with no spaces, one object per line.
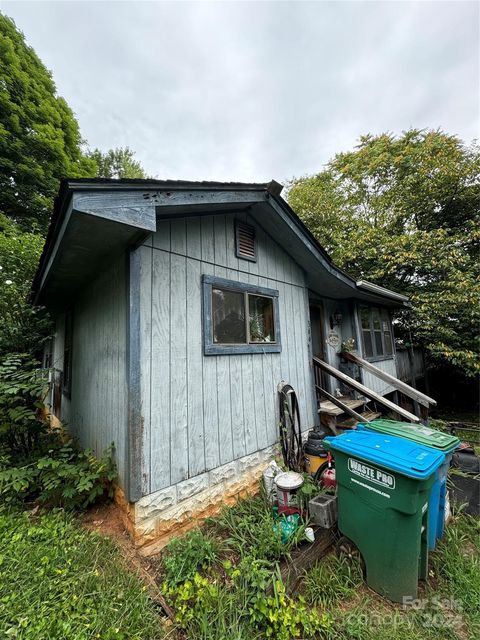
{"x":245,"y":242}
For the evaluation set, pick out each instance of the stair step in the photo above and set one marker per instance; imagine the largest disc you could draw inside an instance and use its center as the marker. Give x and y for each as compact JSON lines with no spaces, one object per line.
{"x":371,"y":415}
{"x":326,"y":406}
{"x":351,"y":423}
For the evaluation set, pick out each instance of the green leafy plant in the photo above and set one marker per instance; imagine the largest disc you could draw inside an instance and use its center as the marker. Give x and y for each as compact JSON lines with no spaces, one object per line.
{"x":255,"y":598}
{"x":23,"y":386}
{"x":64,"y":477}
{"x":249,"y":531}
{"x":37,"y":463}
{"x":184,"y":556}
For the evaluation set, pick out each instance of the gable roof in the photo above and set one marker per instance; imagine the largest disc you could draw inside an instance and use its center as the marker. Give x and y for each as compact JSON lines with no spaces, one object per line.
{"x":94,"y":219}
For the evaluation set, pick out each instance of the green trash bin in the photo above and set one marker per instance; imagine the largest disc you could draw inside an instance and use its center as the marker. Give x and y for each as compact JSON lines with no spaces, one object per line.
{"x":429,"y":437}
{"x":383,"y":486}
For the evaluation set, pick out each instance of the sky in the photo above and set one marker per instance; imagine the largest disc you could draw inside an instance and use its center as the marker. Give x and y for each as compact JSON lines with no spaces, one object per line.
{"x":250,"y":91}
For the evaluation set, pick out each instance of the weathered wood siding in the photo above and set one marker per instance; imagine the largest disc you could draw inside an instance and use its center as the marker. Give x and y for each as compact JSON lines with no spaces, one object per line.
{"x":375,"y":384}
{"x":96,"y":412}
{"x":203,"y":411}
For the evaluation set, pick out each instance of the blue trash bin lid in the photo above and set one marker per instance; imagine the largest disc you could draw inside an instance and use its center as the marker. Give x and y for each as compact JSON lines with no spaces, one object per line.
{"x":404,"y":456}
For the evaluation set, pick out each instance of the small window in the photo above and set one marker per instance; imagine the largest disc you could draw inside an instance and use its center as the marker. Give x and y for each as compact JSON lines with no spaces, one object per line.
{"x":376,"y":332}
{"x":245,"y":242}
{"x":67,"y":356}
{"x":239,"y":318}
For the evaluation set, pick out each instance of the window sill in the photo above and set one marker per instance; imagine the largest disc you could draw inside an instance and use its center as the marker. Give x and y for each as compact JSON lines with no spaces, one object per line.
{"x":238,"y":349}
{"x":379,"y":358}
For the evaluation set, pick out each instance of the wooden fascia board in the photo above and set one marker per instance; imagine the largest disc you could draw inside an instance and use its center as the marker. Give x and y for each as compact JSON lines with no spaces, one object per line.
{"x":54,"y":251}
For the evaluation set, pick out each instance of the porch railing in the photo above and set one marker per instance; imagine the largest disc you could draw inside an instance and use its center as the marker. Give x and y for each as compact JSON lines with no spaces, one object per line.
{"x":320,"y":365}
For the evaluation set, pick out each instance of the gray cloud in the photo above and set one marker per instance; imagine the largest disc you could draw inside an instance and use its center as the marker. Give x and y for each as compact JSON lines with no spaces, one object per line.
{"x":251,"y":91}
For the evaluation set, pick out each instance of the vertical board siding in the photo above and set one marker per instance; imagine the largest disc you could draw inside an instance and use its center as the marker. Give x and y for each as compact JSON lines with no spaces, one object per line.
{"x":206,"y":411}
{"x":178,"y":369}
{"x":196,"y":440}
{"x":159,"y":411}
{"x":97,"y":410}
{"x":375,"y":384}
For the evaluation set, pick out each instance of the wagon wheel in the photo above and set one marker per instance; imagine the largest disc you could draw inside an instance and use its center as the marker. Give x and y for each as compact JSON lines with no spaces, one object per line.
{"x":345,"y":548}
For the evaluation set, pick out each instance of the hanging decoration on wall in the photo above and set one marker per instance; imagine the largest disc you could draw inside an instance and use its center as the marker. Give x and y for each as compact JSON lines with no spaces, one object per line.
{"x":333,"y":339}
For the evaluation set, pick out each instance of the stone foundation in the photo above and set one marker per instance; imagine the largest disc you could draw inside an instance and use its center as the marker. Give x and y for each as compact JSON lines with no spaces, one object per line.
{"x":156,"y":518}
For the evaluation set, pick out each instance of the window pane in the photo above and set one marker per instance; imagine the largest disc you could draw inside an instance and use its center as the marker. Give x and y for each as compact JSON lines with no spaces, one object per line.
{"x":365,"y":318}
{"x":367,"y":341}
{"x":261,"y":325}
{"x":387,"y":336}
{"x":376,"y":320}
{"x":228,"y":310}
{"x":378,"y":343}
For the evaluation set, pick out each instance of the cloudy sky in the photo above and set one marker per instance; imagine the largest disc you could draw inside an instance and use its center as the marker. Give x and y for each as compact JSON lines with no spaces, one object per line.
{"x":256,"y":90}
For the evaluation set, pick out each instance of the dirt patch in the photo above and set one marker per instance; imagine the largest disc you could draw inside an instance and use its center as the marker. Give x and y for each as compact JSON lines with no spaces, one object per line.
{"x":109,"y":520}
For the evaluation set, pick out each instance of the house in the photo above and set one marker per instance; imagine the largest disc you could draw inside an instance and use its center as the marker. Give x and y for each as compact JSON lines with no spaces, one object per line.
{"x":179,"y":308}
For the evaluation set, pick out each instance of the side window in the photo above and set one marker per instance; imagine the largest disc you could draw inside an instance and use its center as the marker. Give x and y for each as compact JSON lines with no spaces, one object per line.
{"x":376,"y":332}
{"x":239,"y":318}
{"x":67,"y":355}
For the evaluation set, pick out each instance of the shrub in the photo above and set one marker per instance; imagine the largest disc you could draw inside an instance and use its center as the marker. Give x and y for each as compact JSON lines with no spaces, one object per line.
{"x":63,"y":477}
{"x":35,"y":462}
{"x":23,"y":387}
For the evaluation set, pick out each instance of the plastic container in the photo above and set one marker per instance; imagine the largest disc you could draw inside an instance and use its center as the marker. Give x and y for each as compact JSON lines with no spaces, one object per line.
{"x":269,"y":480}
{"x":287,"y":485}
{"x":323,"y":510}
{"x":443,"y":442}
{"x":383,"y":487}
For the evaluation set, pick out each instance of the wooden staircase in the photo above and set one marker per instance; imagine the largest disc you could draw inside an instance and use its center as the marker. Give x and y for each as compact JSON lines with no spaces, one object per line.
{"x":362,"y":404}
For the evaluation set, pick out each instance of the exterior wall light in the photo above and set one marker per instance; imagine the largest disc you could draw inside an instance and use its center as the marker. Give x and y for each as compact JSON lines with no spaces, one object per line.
{"x":336,"y":319}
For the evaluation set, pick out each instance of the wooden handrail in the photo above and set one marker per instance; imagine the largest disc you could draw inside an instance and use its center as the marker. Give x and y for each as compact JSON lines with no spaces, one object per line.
{"x":365,"y":390}
{"x":403,"y":387}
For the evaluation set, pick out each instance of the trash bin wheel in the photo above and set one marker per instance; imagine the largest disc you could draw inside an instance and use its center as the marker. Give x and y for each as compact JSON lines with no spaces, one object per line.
{"x":345,"y":548}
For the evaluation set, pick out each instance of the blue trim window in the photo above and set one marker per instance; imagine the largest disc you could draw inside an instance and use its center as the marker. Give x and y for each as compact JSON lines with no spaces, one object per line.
{"x":239,"y":318}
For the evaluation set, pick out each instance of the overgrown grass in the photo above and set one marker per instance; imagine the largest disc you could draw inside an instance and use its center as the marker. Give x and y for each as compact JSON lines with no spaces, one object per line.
{"x":447,"y":609}
{"x":58,"y":581}
{"x":248,"y":531}
{"x":331,"y":581}
{"x":184,"y":556}
{"x":456,"y":565}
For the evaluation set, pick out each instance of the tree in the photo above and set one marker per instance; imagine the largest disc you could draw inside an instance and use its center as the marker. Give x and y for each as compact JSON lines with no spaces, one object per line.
{"x":117,"y":163}
{"x":23,"y":327}
{"x":403,"y":212}
{"x":40,"y":140}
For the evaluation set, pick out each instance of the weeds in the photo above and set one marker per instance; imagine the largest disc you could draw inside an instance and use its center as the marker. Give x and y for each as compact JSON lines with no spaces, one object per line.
{"x":248,"y":529}
{"x":331,"y":581}
{"x":183,"y":557}
{"x":457,"y":565}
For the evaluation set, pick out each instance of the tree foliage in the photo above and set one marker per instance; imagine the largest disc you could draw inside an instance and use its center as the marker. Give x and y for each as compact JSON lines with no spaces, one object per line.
{"x":23,"y":327}
{"x":117,"y":163}
{"x":403,"y":212}
{"x":40,"y":140}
